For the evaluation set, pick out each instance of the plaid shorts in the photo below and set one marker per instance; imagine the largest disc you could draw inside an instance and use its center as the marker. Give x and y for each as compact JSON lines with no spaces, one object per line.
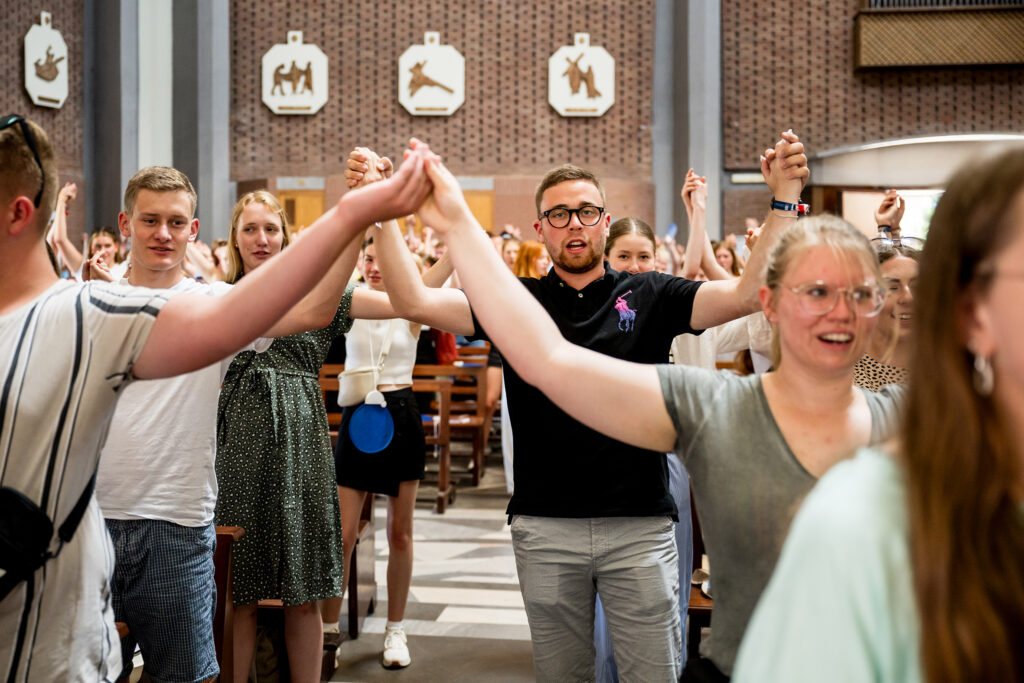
{"x":164,"y":589}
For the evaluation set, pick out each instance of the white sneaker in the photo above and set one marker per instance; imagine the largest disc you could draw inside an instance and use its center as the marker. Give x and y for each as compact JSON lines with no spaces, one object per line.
{"x":396,"y":649}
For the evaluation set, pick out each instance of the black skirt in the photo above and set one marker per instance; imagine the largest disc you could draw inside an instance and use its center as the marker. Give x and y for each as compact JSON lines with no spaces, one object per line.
{"x":402,"y":460}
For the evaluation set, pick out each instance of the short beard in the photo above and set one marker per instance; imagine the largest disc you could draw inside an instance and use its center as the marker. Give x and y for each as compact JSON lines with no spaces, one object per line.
{"x":597,"y":257}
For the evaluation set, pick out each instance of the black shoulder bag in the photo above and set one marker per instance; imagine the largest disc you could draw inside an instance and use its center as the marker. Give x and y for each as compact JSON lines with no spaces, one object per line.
{"x":26,"y":533}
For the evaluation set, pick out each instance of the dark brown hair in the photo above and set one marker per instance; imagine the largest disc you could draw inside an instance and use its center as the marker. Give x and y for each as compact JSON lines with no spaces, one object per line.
{"x":967,"y":538}
{"x":629,"y":226}
{"x":564,"y":174}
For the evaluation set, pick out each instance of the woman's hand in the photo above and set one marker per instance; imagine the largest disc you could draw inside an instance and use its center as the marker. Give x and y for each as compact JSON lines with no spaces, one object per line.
{"x":890,"y":211}
{"x":365,"y":166}
{"x":96,"y":269}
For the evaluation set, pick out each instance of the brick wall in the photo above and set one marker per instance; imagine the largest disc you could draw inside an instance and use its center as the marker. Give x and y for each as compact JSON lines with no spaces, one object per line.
{"x":738,"y":204}
{"x":64,"y":125}
{"x":505,"y":127}
{"x":790,"y":62}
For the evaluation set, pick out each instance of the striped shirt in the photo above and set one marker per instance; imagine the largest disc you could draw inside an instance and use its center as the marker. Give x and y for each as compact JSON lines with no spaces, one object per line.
{"x":64,"y":358}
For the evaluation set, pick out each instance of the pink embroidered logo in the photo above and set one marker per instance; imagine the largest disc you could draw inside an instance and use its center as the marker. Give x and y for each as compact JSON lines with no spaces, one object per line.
{"x":626,"y":314}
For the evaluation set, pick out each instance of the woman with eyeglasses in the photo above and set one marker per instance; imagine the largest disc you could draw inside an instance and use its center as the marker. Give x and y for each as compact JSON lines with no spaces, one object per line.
{"x":753,"y":446}
{"x":888,"y":353}
{"x":908,"y":564}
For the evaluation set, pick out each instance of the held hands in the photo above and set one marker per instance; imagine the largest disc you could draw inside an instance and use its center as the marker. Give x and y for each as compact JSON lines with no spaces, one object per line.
{"x":393,"y":197}
{"x":890,"y":211}
{"x":784,"y":168}
{"x":365,"y":166}
{"x":690,"y":186}
{"x":421,"y":178}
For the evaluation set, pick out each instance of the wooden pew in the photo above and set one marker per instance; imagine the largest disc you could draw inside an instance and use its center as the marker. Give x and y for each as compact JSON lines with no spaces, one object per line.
{"x":474,"y":420}
{"x":223,"y":619}
{"x":437,"y":432}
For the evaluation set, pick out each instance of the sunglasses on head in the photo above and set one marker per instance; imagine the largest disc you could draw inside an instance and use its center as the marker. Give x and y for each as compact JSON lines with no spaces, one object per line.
{"x":26,"y":132}
{"x":885,"y":243}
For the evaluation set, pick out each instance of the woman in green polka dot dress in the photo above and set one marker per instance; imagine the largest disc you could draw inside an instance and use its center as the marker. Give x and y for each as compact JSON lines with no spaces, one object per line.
{"x":275,"y":466}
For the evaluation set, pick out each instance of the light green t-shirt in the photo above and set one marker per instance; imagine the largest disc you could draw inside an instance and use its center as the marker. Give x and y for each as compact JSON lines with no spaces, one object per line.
{"x":840,"y":606}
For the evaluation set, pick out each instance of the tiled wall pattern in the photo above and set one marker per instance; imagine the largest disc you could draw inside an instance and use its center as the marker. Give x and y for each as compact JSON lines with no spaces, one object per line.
{"x":505,"y":127}
{"x":789,"y":62}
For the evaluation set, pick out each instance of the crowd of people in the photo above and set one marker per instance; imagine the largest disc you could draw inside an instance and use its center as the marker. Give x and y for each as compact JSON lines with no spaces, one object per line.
{"x":860,"y":495}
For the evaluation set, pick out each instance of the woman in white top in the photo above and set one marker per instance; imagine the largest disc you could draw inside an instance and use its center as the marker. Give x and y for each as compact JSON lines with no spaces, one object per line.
{"x":396,"y":470}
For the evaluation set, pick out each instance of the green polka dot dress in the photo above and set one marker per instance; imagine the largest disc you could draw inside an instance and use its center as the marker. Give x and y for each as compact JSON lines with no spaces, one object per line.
{"x":275,"y":470}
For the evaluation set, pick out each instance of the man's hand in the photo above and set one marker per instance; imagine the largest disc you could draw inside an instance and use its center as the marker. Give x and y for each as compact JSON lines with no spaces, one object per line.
{"x":890,"y":211}
{"x":784,"y":168}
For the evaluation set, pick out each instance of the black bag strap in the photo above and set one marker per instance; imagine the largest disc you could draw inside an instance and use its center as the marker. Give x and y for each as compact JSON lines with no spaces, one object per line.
{"x":67,"y":530}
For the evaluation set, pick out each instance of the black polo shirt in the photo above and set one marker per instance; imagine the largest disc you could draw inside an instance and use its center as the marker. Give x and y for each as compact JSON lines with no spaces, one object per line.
{"x":562,"y":467}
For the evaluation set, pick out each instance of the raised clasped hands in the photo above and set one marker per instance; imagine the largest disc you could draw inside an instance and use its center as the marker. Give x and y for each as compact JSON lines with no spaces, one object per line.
{"x":364,"y":166}
{"x":691,"y":186}
{"x":390,"y":197}
{"x":443,"y":204}
{"x":784,"y":168}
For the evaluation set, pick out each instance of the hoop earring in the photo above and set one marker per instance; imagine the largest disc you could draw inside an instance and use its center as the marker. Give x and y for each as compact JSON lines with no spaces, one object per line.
{"x":984,"y":379}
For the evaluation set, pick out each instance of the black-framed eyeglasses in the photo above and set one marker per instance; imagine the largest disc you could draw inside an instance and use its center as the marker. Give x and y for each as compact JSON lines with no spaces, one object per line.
{"x":26,"y":131}
{"x":886,"y":243}
{"x":587,"y":215}
{"x":819,"y":298}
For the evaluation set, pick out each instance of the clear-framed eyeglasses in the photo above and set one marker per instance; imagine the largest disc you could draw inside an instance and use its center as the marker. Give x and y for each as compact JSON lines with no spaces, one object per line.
{"x":819,"y":298}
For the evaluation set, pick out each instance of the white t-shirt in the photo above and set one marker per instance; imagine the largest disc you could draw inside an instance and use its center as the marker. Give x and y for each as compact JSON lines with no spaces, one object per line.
{"x":749,"y":332}
{"x":158,"y":460}
{"x":63,"y":359}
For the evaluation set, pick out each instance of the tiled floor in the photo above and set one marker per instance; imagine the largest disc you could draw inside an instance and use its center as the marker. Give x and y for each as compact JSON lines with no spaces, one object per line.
{"x":465,"y":617}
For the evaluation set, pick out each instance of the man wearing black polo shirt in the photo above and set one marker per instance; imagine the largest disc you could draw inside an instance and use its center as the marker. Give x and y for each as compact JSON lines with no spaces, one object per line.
{"x":589,"y":513}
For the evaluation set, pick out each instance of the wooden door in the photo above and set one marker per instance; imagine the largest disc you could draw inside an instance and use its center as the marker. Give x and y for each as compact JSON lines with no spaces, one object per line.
{"x":303,"y":207}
